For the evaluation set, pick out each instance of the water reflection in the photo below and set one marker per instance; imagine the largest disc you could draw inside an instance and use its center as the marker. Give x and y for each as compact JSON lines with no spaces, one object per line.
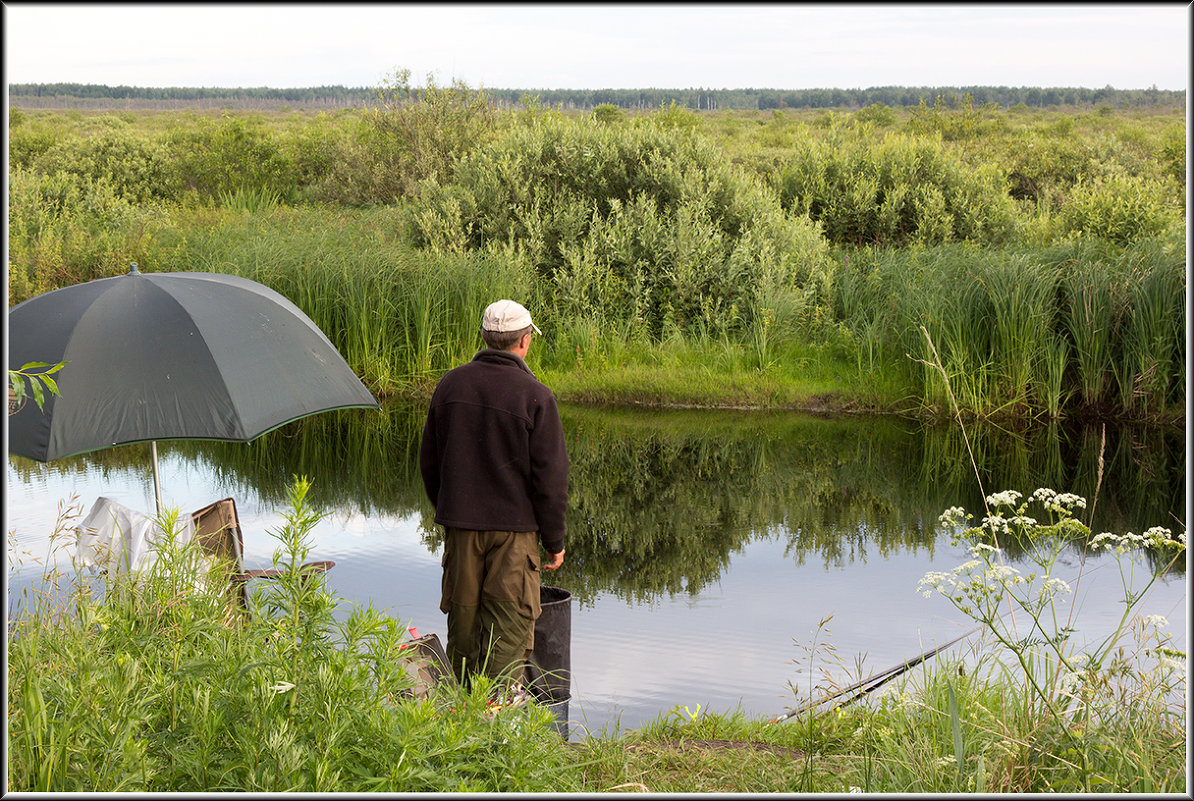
{"x":714,"y":539}
{"x":661,"y":500}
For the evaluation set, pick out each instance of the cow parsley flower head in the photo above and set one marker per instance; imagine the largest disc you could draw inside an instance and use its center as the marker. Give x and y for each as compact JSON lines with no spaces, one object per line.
{"x":1156,"y":622}
{"x":997,"y":524}
{"x":1053,"y":586}
{"x":953,"y":516}
{"x":1005,"y":498}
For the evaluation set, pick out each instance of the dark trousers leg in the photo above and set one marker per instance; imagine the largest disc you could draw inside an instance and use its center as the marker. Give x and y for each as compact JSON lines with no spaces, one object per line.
{"x":491,"y":597}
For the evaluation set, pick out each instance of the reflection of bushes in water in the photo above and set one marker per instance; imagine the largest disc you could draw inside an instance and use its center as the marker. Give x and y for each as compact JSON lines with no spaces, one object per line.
{"x":659,"y":503}
{"x":660,"y":500}
{"x":1142,"y":482}
{"x":356,"y":459}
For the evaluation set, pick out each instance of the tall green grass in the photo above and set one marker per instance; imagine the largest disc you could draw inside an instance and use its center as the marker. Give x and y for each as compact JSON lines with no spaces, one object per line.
{"x":398,"y":315}
{"x":1079,"y":328}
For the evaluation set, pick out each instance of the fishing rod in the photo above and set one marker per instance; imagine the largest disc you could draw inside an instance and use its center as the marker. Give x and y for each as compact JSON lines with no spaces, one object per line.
{"x":874,"y":680}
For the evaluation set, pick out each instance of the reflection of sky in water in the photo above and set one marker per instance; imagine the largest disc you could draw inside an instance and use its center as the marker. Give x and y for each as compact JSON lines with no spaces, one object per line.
{"x":739,"y":642}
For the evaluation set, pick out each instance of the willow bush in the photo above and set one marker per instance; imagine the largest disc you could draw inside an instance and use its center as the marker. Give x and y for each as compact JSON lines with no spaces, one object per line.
{"x":646,"y":223}
{"x":65,"y":227}
{"x":895,"y":192}
{"x":138,"y":168}
{"x":234,"y":152}
{"x":1120,"y":207}
{"x":418,"y":133}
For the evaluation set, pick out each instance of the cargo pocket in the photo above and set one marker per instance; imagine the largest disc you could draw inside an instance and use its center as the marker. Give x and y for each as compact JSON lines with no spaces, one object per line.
{"x":528,"y":605}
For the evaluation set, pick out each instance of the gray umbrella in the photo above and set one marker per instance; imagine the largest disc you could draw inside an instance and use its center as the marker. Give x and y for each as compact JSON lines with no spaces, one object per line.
{"x":163,"y":356}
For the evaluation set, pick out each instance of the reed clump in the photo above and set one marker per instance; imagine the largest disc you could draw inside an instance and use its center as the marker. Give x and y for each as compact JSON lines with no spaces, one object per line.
{"x":1081,"y":328}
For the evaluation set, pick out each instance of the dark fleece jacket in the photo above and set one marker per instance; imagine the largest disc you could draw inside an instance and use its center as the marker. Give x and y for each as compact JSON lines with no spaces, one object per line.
{"x":493,"y":455}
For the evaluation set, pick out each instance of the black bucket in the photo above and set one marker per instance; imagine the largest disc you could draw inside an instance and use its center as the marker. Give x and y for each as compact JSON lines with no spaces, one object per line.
{"x":549,"y":671}
{"x":559,"y":713}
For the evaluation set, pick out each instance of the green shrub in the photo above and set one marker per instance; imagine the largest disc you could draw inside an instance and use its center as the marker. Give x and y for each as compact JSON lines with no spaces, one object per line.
{"x":137,"y":168}
{"x":230,"y":154}
{"x":952,"y":118}
{"x":27,"y":140}
{"x":648,"y":224}
{"x":607,"y":113}
{"x":417,"y":134}
{"x":878,"y":115}
{"x":1119,"y":207}
{"x":65,"y":228}
{"x":896,"y":192}
{"x":1042,"y":169}
{"x":677,"y":117}
{"x":314,"y":150}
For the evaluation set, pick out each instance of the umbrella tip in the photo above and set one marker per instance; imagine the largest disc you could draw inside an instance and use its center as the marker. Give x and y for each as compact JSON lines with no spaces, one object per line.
{"x":133,"y":268}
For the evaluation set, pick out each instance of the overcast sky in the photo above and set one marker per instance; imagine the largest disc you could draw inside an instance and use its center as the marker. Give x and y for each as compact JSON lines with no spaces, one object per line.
{"x":794,"y":46}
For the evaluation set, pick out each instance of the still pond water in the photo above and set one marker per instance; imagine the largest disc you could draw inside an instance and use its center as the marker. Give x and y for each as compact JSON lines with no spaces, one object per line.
{"x":704,"y":549}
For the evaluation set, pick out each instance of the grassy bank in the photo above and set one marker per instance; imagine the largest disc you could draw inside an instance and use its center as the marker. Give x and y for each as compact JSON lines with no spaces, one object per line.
{"x":160,"y":685}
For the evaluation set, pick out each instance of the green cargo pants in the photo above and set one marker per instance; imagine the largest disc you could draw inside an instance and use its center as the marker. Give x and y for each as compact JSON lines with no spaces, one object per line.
{"x":491,"y":597}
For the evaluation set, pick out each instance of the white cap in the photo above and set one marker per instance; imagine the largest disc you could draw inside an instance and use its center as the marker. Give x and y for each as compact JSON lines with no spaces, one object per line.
{"x":506,"y":315}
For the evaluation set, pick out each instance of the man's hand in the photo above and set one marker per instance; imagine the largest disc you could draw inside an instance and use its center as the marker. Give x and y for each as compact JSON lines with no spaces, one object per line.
{"x":557,"y":559}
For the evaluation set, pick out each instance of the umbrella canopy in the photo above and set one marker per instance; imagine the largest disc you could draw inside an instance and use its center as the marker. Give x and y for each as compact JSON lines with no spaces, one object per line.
{"x":171,"y":356}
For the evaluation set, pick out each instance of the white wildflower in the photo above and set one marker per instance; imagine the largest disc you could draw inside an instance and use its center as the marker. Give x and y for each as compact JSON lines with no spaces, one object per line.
{"x":1158,"y":536}
{"x":1156,"y":622}
{"x":1002,"y":573}
{"x":1068,"y":681}
{"x":1005,"y":498}
{"x":979,"y":548}
{"x":998,"y":524}
{"x":1168,"y":663}
{"x":1053,"y":586}
{"x":953,"y":516}
{"x":1070,"y":499}
{"x":933,"y":581}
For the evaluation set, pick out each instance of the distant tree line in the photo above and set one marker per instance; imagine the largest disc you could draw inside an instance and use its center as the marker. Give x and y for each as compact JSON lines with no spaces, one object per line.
{"x":91,"y":90}
{"x":34,"y":94}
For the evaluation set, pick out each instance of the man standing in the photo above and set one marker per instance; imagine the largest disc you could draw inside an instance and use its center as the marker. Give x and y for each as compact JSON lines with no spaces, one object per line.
{"x":496,"y":470}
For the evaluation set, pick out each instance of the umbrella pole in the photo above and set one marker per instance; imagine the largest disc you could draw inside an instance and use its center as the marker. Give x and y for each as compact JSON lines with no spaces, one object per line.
{"x":157,"y":483}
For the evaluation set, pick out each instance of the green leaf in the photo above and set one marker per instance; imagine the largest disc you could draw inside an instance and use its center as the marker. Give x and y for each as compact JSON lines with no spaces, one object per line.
{"x":955,"y":722}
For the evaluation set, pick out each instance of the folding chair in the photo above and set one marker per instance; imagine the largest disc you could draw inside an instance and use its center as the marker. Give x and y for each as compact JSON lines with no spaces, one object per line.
{"x":217,"y":530}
